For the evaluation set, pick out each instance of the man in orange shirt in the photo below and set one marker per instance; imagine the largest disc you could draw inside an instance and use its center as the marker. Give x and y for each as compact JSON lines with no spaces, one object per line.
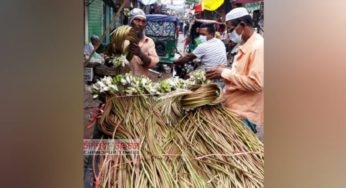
{"x":243,"y":91}
{"x":145,"y":55}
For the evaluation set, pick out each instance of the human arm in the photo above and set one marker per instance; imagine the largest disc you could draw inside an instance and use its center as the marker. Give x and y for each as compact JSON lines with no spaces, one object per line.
{"x":215,"y":73}
{"x":186,"y":58}
{"x":146,"y":52}
{"x":253,"y":79}
{"x":197,"y":53}
{"x":135,"y":49}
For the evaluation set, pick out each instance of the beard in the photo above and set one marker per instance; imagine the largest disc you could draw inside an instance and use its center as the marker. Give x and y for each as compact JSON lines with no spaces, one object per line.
{"x":140,"y":34}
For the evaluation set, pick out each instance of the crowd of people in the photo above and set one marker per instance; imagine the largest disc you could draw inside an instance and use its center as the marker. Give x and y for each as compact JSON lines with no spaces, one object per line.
{"x":241,"y":78}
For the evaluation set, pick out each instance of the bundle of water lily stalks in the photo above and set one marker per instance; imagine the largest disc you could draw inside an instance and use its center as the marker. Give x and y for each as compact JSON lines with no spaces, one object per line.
{"x":187,"y":138}
{"x":118,"y":51}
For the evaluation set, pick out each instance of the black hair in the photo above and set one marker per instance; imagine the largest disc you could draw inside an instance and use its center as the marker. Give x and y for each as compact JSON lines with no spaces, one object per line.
{"x":210,"y":28}
{"x":246,"y":19}
{"x":238,"y":4}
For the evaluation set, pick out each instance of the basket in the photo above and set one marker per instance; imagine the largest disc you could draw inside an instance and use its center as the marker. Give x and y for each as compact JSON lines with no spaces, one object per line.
{"x":104,"y":70}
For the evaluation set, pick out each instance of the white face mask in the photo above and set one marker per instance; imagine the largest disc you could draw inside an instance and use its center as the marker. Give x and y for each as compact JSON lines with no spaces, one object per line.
{"x":235,"y":37}
{"x":203,"y":38}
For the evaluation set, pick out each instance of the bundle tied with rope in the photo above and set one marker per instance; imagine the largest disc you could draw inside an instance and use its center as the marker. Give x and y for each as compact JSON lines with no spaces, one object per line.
{"x":187,"y":139}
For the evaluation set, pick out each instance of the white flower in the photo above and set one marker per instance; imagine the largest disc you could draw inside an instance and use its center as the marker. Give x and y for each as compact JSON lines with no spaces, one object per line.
{"x":101,"y":84}
{"x":96,"y":86}
{"x":128,"y":79}
{"x":152,"y":91}
{"x":123,"y":81}
{"x":108,"y":80}
{"x":125,"y":61}
{"x":104,"y":88}
{"x":114,"y":87}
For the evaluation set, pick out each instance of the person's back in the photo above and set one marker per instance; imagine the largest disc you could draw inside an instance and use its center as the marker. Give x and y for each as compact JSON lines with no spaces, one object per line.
{"x":211,"y":53}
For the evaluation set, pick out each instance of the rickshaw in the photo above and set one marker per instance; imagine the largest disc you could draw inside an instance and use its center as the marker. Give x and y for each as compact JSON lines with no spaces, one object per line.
{"x":163,"y":29}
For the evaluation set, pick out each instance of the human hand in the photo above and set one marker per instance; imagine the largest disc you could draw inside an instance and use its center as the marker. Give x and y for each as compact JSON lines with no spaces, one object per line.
{"x":135,"y":49}
{"x":214,"y":73}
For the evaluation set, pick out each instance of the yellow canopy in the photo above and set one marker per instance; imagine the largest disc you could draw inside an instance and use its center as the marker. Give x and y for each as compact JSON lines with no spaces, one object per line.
{"x":211,"y":5}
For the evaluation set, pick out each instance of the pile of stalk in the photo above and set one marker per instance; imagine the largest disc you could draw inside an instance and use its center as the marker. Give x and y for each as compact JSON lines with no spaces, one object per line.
{"x":186,"y":140}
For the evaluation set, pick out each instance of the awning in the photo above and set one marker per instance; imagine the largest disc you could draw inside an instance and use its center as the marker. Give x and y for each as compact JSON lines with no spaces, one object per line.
{"x":161,"y":18}
{"x":198,"y":8}
{"x":211,"y":5}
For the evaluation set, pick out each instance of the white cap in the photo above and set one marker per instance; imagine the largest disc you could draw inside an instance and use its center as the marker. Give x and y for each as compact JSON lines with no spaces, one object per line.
{"x":136,"y":12}
{"x":236,"y":13}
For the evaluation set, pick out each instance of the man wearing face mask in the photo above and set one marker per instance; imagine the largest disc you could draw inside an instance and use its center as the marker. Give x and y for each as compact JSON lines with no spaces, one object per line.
{"x":243,"y":91}
{"x":212,"y":51}
{"x":232,"y":47}
{"x":200,"y":39}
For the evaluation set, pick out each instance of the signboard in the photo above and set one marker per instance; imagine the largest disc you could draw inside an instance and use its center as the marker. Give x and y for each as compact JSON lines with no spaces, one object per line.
{"x":252,"y":6}
{"x":88,"y":74}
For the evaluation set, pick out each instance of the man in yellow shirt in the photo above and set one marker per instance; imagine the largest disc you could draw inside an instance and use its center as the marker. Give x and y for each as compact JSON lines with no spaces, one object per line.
{"x":243,"y":91}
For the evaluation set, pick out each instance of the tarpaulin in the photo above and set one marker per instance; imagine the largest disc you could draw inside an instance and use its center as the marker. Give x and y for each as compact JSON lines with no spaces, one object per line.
{"x":161,"y":25}
{"x":211,"y":5}
{"x":198,"y":8}
{"x":161,"y":18}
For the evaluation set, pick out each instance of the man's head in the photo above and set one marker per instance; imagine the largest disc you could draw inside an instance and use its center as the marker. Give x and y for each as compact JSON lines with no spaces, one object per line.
{"x":207,"y":30}
{"x":137,"y":19}
{"x":239,"y":23}
{"x":236,"y":4}
{"x":95,"y":41}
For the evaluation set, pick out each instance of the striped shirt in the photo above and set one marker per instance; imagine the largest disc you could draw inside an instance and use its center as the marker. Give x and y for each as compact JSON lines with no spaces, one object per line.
{"x":211,"y":53}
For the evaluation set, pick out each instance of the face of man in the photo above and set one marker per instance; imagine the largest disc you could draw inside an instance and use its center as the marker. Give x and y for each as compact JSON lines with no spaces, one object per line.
{"x":238,"y":28}
{"x":139,"y":24}
{"x":235,"y":32}
{"x":95,"y":42}
{"x":229,"y":25}
{"x":204,"y":32}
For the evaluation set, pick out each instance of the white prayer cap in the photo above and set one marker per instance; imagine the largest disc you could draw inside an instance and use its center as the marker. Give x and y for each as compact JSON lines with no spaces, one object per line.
{"x":136,"y":12}
{"x":236,"y":13}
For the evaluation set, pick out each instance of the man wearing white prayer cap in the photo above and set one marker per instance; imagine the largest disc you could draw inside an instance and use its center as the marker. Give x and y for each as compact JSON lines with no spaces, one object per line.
{"x":233,"y":19}
{"x":243,"y":91}
{"x":235,"y":41}
{"x":136,"y":13}
{"x":145,"y":55}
